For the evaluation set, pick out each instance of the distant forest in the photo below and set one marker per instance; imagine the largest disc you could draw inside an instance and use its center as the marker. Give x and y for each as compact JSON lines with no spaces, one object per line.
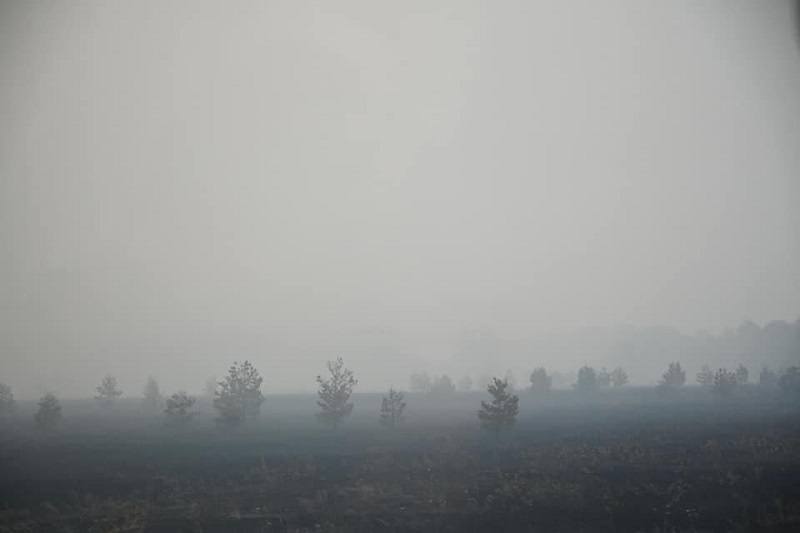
{"x":642,"y":351}
{"x":776,"y":345}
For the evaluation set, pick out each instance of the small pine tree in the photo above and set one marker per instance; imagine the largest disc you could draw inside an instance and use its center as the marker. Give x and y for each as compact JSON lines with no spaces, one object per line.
{"x":725,"y":382}
{"x":619,"y":378}
{"x":587,"y":380}
{"x":742,"y":375}
{"x":49,"y":413}
{"x":107,"y":391}
{"x":540,"y":381}
{"x":392,"y":408}
{"x":502,"y":411}
{"x":7,"y":403}
{"x":674,"y":378}
{"x":179,"y":408}
{"x":152,"y":395}
{"x":334,"y":393}
{"x":706,"y":376}
{"x":239,"y":395}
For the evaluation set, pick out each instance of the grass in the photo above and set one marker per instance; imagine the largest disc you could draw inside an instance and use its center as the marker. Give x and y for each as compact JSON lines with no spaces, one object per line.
{"x":630,"y":460}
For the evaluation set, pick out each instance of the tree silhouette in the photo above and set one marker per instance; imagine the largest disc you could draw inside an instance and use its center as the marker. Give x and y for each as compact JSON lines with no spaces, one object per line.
{"x":6,"y":399}
{"x":725,"y":382}
{"x":107,"y":391}
{"x":392,"y":408}
{"x":239,"y":395}
{"x":49,"y":413}
{"x":540,"y":381}
{"x":619,"y":378}
{"x":442,"y":387}
{"x":706,"y":376}
{"x":334,"y":393}
{"x":179,"y":408}
{"x":742,"y":375}
{"x":502,"y":411}
{"x":152,"y":395}
{"x":674,"y":378}
{"x":419,"y":381}
{"x":587,"y":380}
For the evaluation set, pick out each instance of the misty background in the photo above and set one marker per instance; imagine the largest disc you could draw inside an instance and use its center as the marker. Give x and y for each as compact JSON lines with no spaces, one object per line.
{"x":458,"y":187}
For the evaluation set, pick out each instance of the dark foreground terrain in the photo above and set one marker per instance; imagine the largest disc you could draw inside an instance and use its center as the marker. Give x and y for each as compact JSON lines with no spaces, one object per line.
{"x":620,"y":461}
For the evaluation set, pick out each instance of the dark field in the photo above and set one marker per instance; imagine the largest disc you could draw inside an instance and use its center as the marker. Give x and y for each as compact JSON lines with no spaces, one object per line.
{"x":634,"y":460}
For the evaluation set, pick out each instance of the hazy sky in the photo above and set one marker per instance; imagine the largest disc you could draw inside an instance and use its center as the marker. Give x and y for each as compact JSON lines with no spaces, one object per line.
{"x":183,"y":184}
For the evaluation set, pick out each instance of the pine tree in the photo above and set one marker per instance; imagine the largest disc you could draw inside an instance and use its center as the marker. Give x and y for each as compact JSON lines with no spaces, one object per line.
{"x":334,"y":393}
{"x":706,"y":376}
{"x":7,"y":403}
{"x":152,"y":395}
{"x":587,"y":380}
{"x":239,"y":395}
{"x":725,"y":382}
{"x":179,"y":408}
{"x":540,"y":381}
{"x":107,"y":391}
{"x":619,"y":378}
{"x":392,"y":408}
{"x":49,"y":413}
{"x":442,"y":387}
{"x":502,"y":411}
{"x":674,"y":378}
{"x":742,"y":375}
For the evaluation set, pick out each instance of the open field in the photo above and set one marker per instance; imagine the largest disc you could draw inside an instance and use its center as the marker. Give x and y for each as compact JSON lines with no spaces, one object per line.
{"x":630,"y":460}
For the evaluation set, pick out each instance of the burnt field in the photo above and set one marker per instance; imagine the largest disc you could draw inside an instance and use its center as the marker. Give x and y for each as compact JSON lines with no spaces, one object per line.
{"x":631,"y":460}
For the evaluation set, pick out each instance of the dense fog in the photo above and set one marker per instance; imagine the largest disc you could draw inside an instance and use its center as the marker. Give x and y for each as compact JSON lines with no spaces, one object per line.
{"x":457,"y":187}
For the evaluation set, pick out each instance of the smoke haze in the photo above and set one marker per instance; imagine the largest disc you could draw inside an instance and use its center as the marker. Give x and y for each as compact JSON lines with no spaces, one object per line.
{"x":461,"y":187}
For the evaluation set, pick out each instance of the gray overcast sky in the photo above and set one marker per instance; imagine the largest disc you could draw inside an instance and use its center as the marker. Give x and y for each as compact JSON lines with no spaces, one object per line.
{"x":183,"y":184}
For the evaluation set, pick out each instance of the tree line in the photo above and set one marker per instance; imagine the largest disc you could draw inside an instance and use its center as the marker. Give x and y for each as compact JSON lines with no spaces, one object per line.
{"x":238,"y":397}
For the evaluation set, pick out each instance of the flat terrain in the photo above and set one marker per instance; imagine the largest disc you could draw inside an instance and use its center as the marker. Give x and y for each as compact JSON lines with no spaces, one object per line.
{"x":630,"y":460}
